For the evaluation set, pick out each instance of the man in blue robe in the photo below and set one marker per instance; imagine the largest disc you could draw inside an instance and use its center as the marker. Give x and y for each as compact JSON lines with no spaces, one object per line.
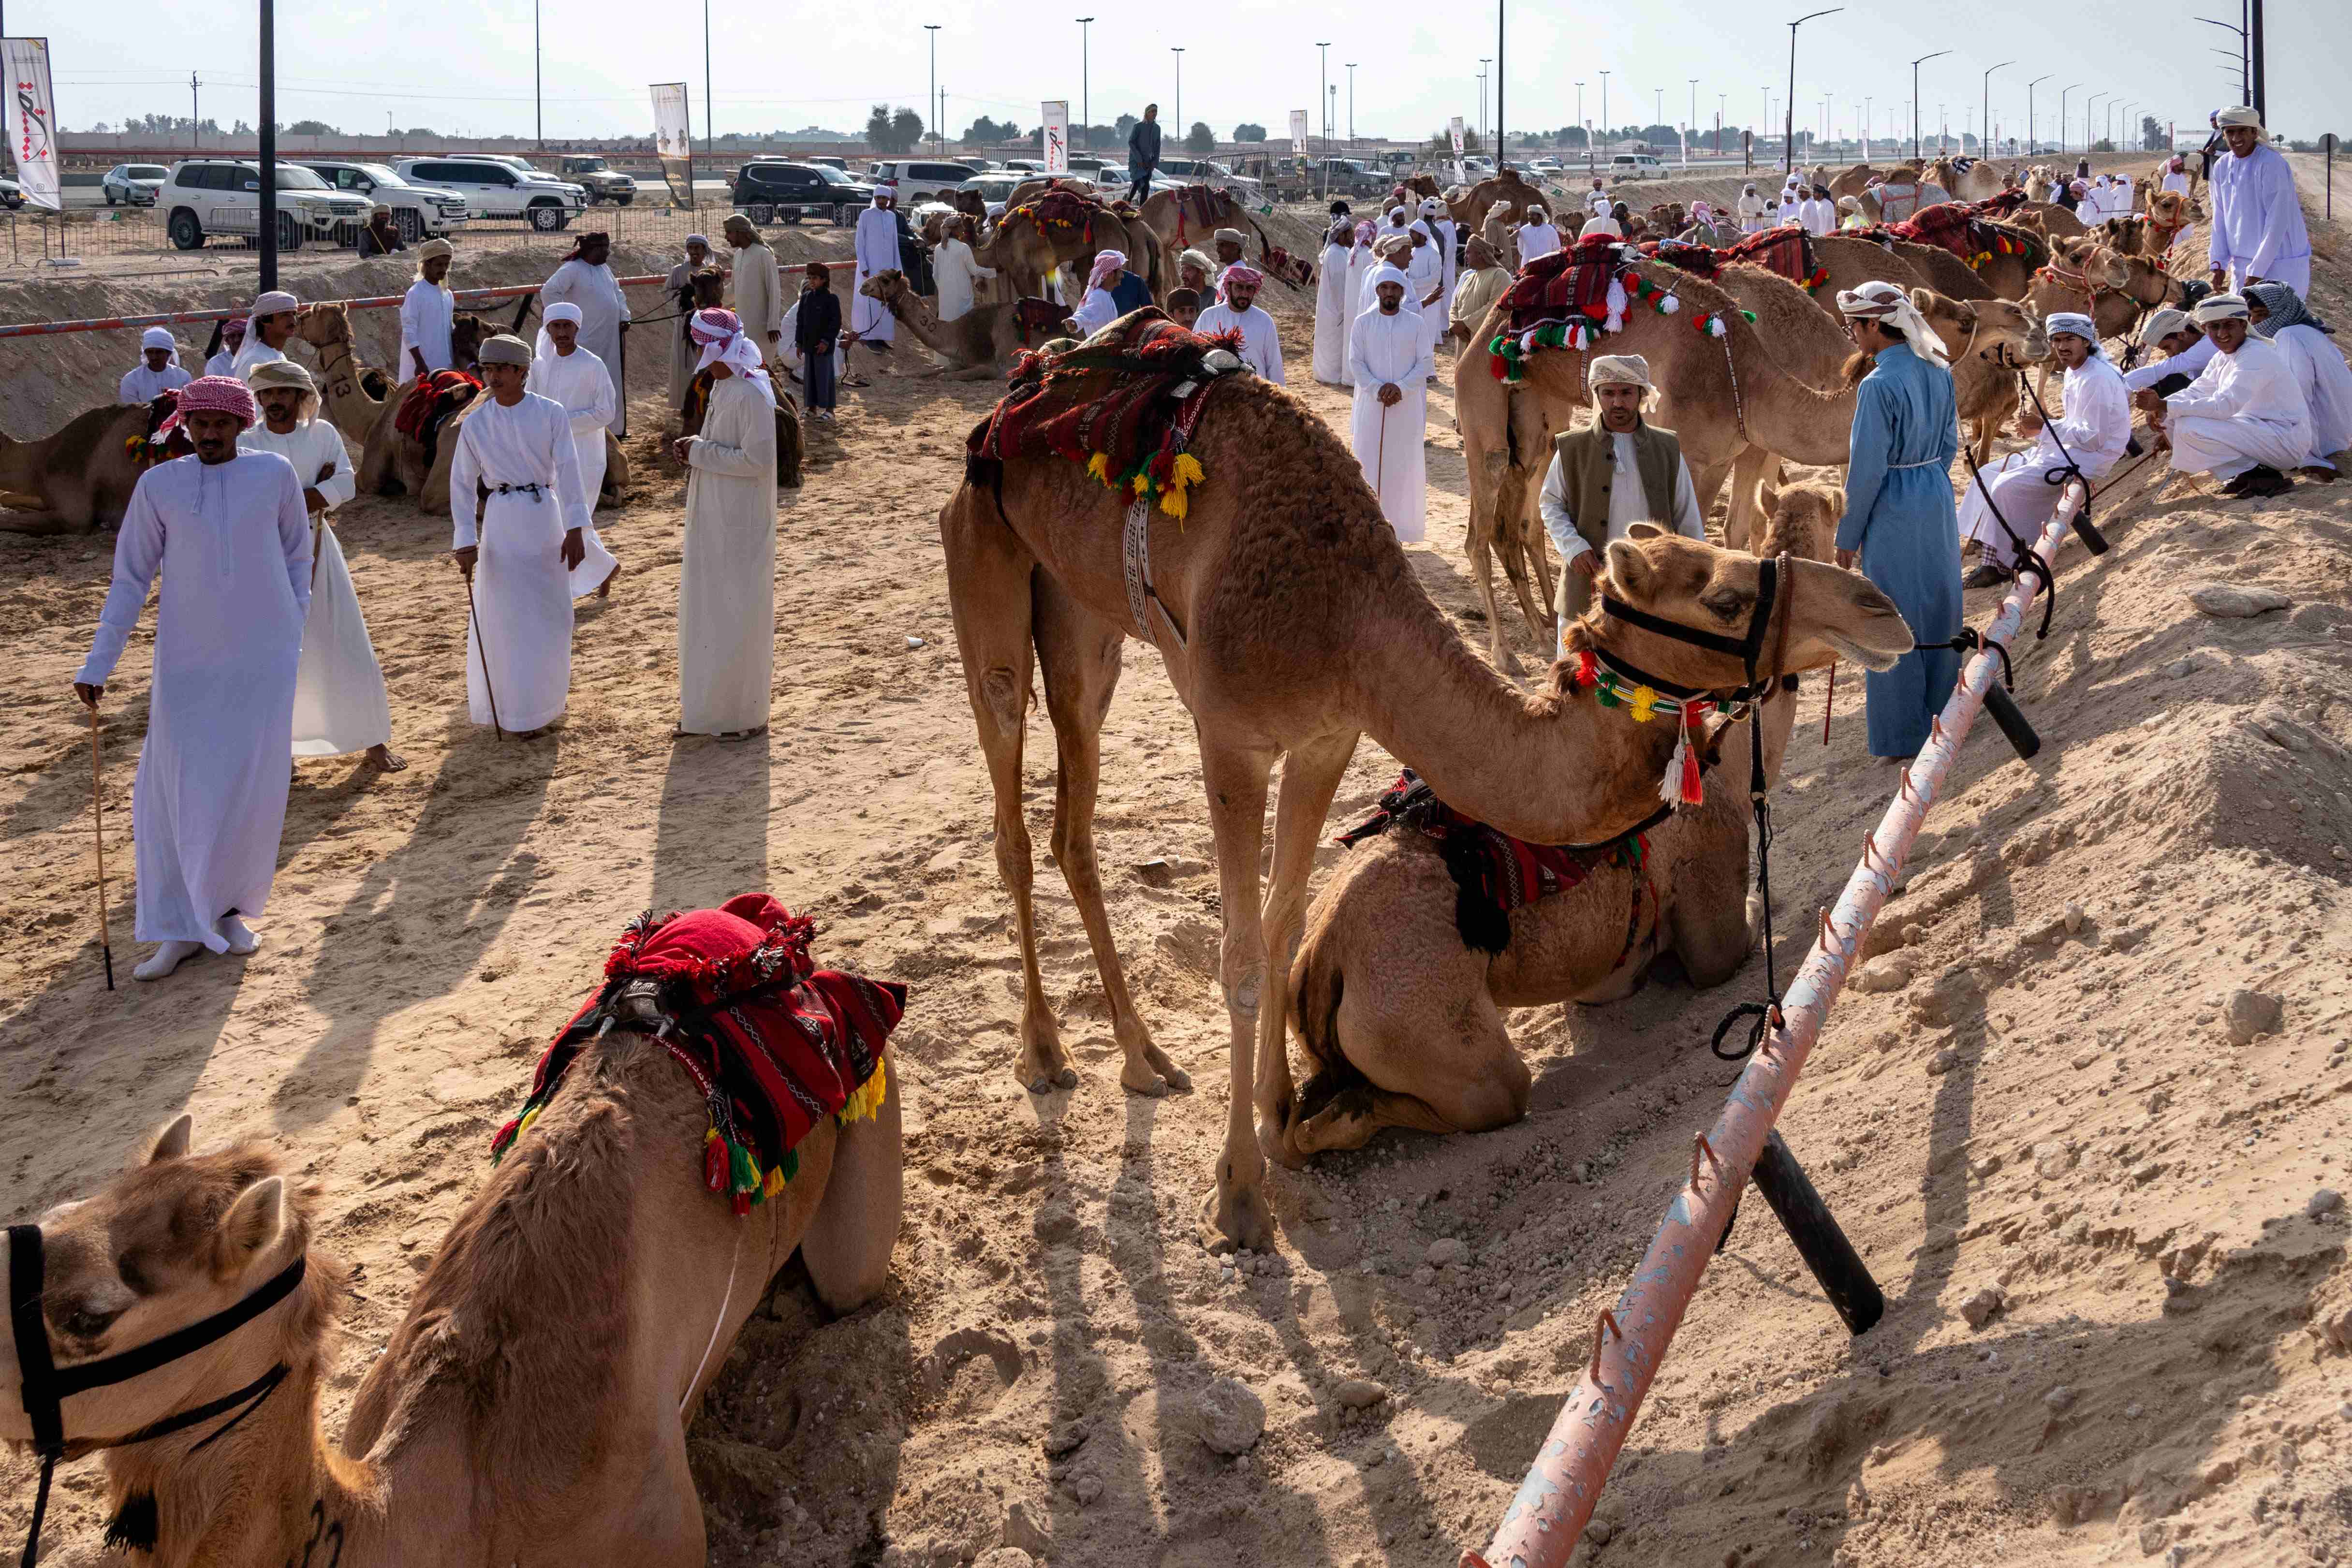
{"x":1900,"y":524}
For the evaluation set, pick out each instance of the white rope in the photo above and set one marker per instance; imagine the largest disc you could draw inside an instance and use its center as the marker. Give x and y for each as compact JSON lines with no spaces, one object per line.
{"x":733,"y":1258}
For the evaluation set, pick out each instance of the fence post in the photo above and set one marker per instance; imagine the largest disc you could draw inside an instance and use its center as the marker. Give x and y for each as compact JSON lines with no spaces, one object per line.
{"x":2327,"y":145}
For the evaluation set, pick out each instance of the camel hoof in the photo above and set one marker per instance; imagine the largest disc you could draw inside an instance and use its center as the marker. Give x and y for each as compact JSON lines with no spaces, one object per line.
{"x":1176,"y":1077}
{"x":1137,"y":1078}
{"x":1238,"y":1218}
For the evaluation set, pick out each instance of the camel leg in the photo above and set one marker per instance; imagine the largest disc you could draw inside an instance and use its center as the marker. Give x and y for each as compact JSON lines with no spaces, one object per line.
{"x":1485,"y":508}
{"x":1235,"y":775}
{"x":989,"y":577}
{"x":1079,"y":654}
{"x":1706,"y":484}
{"x":1743,"y":519}
{"x":848,"y":1241}
{"x":1443,"y":1066}
{"x":972,"y":373}
{"x":1538,"y":548}
{"x":1311,"y":772}
{"x":1511,"y":528}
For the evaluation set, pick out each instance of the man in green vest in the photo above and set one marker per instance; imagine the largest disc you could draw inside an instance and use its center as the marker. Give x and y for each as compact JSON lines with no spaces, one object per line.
{"x":1615,"y":472}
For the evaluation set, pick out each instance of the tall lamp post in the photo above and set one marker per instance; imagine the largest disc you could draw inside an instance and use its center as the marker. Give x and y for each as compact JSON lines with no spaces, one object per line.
{"x":710,"y":108}
{"x":2245,"y":75}
{"x":1691,"y":124}
{"x":1984,"y":125}
{"x":1498,"y":84}
{"x":1580,"y":121}
{"x":2062,"y":115}
{"x":1351,"y":106}
{"x":1914,"y":96}
{"x":1604,"y":104}
{"x":538,"y":110}
{"x":1177,"y":50}
{"x":268,"y":214}
{"x":1086,"y":90}
{"x":1323,"y":54}
{"x":2037,"y":81}
{"x":1789,"y":128}
{"x":2090,"y":123}
{"x":1486,"y":69}
{"x":931,"y":109}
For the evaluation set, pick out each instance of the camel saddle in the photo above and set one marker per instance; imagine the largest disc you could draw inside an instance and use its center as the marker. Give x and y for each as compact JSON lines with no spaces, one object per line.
{"x":1061,"y":207}
{"x":1033,"y":315}
{"x":773,"y":1042}
{"x":1295,"y":271}
{"x":1787,"y":250}
{"x":432,"y":398}
{"x":1966,"y":233}
{"x":1125,"y":402}
{"x":1197,"y":205}
{"x":145,"y":450}
{"x":1564,"y":284}
{"x":1493,"y":872}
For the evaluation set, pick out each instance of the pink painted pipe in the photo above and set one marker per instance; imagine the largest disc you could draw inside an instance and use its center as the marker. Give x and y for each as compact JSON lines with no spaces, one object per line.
{"x":1540,"y":1528}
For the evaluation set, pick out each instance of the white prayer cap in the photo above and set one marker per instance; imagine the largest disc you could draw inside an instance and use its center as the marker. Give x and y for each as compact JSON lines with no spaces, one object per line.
{"x":2073,"y":321}
{"x":1194,"y":258}
{"x":1389,"y":272}
{"x":432,"y":248}
{"x":504,"y":350}
{"x":2164,"y":324}
{"x":563,"y":310}
{"x":2239,"y":116}
{"x":279,"y":373}
{"x":158,"y":337}
{"x":1619,"y":370}
{"x":271,"y":303}
{"x":2218,"y":308}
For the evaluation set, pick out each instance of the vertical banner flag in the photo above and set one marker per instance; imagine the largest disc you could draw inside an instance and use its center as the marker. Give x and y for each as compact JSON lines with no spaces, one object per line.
{"x":1056,"y":130}
{"x":1298,"y":133}
{"x":673,"y":141}
{"x":1461,"y":175}
{"x":32,"y":119}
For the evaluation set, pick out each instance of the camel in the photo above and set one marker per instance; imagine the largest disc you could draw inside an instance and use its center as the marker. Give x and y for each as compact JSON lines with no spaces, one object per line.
{"x":1715,"y":409}
{"x":1293,"y":624}
{"x":1174,"y":217}
{"x":534,"y":1404}
{"x":2114,"y":290}
{"x":979,"y":345}
{"x":1853,"y":180}
{"x":1869,"y":203}
{"x":351,"y":395}
{"x":1402,"y":1020}
{"x":2050,"y":221}
{"x":394,"y":465}
{"x":1979,"y":180}
{"x":1027,"y":256}
{"x":1471,"y":210}
{"x":82,"y":474}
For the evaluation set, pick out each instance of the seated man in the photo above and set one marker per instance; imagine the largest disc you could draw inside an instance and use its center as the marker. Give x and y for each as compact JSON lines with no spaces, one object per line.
{"x":2243,"y":419}
{"x":2093,"y":429}
{"x":2186,"y":351}
{"x":2278,"y":313}
{"x":159,"y":370}
{"x":1615,"y":472}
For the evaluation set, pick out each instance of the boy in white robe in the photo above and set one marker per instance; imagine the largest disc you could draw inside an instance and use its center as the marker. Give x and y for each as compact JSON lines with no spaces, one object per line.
{"x":586,"y":280}
{"x":2093,"y":429}
{"x":565,"y":373}
{"x":2243,"y":419}
{"x":2186,"y":351}
{"x":1236,"y":310}
{"x":2279,"y":314}
{"x":158,"y":372}
{"x":232,"y":338}
{"x":274,"y":315}
{"x":428,"y":313}
{"x":1389,"y":356}
{"x":229,"y":532}
{"x":519,"y":554}
{"x":726,"y":590}
{"x":340,"y":704}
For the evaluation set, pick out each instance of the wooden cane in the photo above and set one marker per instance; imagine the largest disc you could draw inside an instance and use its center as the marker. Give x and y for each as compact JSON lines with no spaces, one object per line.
{"x":1827,"y":699}
{"x":97,"y":839}
{"x":1381,"y":452}
{"x":474,"y":618}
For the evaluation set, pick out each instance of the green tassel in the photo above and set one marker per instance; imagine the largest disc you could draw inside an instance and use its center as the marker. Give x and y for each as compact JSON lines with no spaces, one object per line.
{"x":744,"y":1171}
{"x":790,"y":1164}
{"x":1608,"y":697}
{"x":1749,"y":313}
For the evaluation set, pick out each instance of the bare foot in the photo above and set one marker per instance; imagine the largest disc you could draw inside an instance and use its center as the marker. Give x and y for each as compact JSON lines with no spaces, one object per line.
{"x":385,"y":757}
{"x":604,"y":589}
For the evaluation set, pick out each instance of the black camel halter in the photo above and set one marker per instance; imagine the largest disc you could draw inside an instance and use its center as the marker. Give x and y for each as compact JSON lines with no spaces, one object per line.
{"x":47,"y":1387}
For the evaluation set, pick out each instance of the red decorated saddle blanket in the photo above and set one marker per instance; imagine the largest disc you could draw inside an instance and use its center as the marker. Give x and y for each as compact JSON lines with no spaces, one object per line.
{"x":1125,"y":402}
{"x":1493,"y":872}
{"x":773,"y":1042}
{"x":1037,"y":317}
{"x":1946,"y":225}
{"x":1063,"y":209}
{"x":1295,"y":271}
{"x":1787,"y":250}
{"x":1564,"y":284}
{"x":432,"y":398}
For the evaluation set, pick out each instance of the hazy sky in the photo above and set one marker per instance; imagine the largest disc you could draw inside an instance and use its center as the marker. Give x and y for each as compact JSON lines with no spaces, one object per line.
{"x":467,"y":67}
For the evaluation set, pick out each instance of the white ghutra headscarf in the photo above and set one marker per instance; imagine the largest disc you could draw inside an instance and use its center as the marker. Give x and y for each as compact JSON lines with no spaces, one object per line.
{"x":1888,"y":304}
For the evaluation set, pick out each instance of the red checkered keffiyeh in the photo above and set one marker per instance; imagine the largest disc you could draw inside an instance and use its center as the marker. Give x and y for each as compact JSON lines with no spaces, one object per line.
{"x":214,"y":394}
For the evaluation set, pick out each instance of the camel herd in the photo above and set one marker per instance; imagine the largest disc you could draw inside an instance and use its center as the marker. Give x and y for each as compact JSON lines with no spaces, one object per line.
{"x":532,"y":1405}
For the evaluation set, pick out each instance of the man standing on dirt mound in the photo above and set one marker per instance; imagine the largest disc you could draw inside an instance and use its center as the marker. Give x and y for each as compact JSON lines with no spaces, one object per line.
{"x":230,"y":533}
{"x":1143,"y":154}
{"x":586,"y":280}
{"x":2258,"y":233}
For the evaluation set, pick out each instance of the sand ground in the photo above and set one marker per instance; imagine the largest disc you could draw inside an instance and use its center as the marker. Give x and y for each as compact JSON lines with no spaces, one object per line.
{"x":2058,"y":1115}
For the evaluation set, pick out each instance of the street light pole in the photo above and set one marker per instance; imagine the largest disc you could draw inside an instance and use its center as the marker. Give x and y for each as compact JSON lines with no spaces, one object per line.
{"x":1498,"y":86}
{"x":710,"y":106}
{"x":1984,"y":125}
{"x":268,"y":235}
{"x":1177,"y":50}
{"x":537,"y":108}
{"x":1914,"y":96}
{"x":1604,"y":103}
{"x":1323,"y":52}
{"x":1086,"y":91}
{"x":2062,"y":117}
{"x":2029,"y":109}
{"x":931,"y":109}
{"x":2090,"y":124}
{"x":1351,"y":106}
{"x":1788,"y":129}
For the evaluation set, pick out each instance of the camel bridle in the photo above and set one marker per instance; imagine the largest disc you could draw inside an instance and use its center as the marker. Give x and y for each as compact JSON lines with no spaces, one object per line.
{"x":46,"y":1386}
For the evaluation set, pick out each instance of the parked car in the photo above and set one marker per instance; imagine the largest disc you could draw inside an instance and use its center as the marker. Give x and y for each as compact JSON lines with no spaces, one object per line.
{"x":840,"y":163}
{"x":133,"y":184}
{"x":1209,"y":172}
{"x":12,"y":194}
{"x":918,"y":178}
{"x":792,"y":191}
{"x":417,"y":210}
{"x":1026,"y":165}
{"x":602,"y":183}
{"x":1635,"y":166}
{"x":495,"y":188}
{"x":205,"y":196}
{"x":1347,"y":177}
{"x":996,"y":187}
{"x":1546,"y":169}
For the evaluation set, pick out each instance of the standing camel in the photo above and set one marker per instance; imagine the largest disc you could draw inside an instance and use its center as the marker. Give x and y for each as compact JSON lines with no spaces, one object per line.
{"x":1291,"y":622}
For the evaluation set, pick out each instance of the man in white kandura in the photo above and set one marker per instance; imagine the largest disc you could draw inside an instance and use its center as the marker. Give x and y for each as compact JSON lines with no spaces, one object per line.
{"x":726,"y":590}
{"x":158,"y":370}
{"x":428,"y":312}
{"x":759,"y":288}
{"x":1390,"y":354}
{"x":2186,"y":351}
{"x":340,"y":704}
{"x":1537,"y":237}
{"x":229,"y":532}
{"x":274,"y":315}
{"x":1238,"y":311}
{"x":871,"y":321}
{"x":2093,"y":428}
{"x":957,"y":271}
{"x":1332,"y":316}
{"x":678,"y":290}
{"x":1615,"y":472}
{"x":1442,"y":230}
{"x":565,"y":373}
{"x":2258,"y":231}
{"x":2242,"y":420}
{"x":586,"y":280}
{"x":232,"y":338}
{"x":2278,"y":313}
{"x":518,"y":557}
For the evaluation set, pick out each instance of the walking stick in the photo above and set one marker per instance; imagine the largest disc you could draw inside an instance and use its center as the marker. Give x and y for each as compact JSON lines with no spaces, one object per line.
{"x":1828,"y":699}
{"x":1381,"y":452}
{"x":98,"y":837}
{"x":474,"y":617}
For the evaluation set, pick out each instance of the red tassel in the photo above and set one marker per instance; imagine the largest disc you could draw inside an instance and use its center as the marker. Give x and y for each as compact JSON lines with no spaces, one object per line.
{"x":1694,"y":790}
{"x":742,"y":1204}
{"x":1588,"y":670}
{"x":714,"y":1162}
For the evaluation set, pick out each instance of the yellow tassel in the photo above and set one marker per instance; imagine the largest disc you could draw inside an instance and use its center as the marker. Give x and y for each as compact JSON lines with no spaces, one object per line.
{"x":774,"y":1183}
{"x":1188,"y":469}
{"x":1100,"y":467}
{"x":864,"y":1102}
{"x":1174,"y":504}
{"x":1143,"y":484}
{"x":1645,"y":704}
{"x":524,"y":1125}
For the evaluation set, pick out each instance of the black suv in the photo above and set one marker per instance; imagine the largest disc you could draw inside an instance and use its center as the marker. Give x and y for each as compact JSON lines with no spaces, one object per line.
{"x":771,"y":190}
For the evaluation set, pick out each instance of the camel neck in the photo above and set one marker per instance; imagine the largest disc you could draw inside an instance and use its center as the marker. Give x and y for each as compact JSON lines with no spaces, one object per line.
{"x":1547,"y":769}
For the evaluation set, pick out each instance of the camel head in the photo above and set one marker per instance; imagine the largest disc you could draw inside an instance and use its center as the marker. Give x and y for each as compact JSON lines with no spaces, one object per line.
{"x":174,"y":1239}
{"x":1801,"y":519}
{"x":1829,"y":613}
{"x":889,"y":285}
{"x":467,"y":333}
{"x":1983,"y":328}
{"x":1865,"y":202}
{"x":319,"y":325}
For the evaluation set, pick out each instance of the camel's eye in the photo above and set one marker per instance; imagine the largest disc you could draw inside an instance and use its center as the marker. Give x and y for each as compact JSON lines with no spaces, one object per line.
{"x":1725,"y":603}
{"x":86,"y":1322}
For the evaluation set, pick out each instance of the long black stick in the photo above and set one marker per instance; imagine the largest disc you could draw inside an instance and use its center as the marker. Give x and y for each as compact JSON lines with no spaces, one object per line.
{"x":98,"y":837}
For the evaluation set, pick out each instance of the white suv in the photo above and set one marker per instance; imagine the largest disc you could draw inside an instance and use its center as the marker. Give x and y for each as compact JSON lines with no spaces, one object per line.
{"x":493,"y":189}
{"x":416,"y":210}
{"x":921,"y":177}
{"x":207,"y":196}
